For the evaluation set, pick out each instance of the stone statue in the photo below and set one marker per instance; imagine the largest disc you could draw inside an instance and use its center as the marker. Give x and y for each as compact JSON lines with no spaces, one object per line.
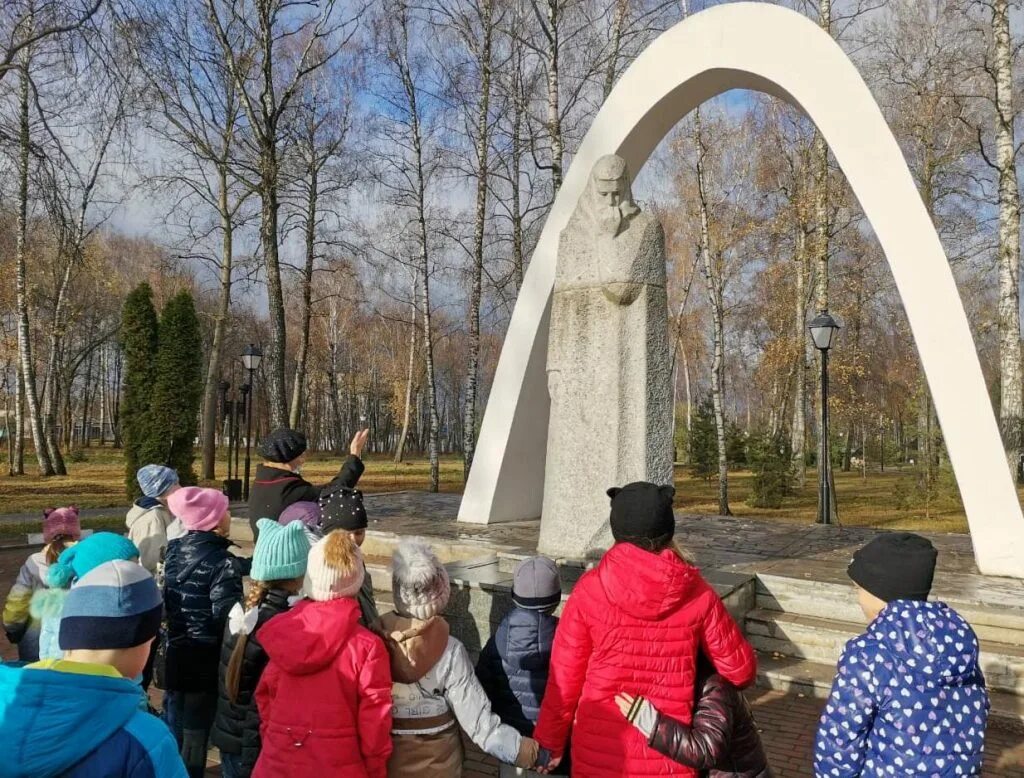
{"x":609,"y":366}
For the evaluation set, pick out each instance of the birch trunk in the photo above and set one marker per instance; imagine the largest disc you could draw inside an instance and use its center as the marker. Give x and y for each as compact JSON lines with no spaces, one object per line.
{"x":482,"y":172}
{"x":798,"y":432}
{"x":554,"y":119}
{"x":407,"y":413}
{"x":713,"y":277}
{"x":299,"y":387}
{"x":210,"y":390}
{"x":1011,"y":403}
{"x":26,"y":361}
{"x":621,"y":7}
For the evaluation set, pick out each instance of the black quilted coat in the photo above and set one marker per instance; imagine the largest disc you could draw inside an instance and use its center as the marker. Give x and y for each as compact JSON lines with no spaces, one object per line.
{"x":722,"y":742}
{"x":236,"y":728}
{"x":202,"y":580}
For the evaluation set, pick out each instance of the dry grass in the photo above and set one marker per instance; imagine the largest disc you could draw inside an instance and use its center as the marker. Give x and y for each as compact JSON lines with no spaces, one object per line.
{"x":99,"y":481}
{"x":871,"y":501}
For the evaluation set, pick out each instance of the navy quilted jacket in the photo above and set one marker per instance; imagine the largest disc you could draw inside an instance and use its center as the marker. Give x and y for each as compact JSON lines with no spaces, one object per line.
{"x":909,"y":698}
{"x":202,"y":581}
{"x":513,"y":667}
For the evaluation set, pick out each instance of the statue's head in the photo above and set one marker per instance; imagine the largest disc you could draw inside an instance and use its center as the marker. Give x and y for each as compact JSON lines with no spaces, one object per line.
{"x":609,"y":198}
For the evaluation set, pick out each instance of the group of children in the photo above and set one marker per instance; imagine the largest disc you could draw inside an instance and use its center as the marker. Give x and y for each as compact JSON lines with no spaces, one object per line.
{"x":302,"y":675}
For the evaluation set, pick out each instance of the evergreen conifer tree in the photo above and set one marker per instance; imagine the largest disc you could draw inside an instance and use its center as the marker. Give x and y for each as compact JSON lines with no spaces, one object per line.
{"x":704,"y":441}
{"x":177,"y":389}
{"x":139,"y":339}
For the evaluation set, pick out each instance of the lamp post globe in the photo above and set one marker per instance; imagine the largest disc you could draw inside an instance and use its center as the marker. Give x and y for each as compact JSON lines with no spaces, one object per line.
{"x":824,"y":329}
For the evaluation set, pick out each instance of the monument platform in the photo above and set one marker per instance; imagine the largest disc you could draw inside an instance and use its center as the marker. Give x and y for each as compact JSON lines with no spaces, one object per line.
{"x":785,"y":583}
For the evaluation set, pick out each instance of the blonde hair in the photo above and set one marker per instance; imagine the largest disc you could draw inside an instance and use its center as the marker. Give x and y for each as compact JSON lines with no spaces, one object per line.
{"x":258,"y":591}
{"x":55,"y":548}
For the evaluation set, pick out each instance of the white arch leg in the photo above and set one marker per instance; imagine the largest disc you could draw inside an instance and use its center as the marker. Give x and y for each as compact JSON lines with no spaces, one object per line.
{"x":771,"y":49}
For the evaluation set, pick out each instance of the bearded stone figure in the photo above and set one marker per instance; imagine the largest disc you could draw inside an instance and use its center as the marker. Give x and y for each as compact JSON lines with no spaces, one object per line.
{"x":609,"y":367}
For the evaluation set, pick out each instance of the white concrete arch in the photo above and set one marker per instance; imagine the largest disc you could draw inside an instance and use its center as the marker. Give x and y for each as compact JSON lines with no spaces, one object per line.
{"x":778,"y":51}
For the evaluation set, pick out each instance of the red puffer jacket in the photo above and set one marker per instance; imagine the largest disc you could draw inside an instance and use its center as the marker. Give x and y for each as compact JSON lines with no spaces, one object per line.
{"x":634,"y":624}
{"x":325,"y":697}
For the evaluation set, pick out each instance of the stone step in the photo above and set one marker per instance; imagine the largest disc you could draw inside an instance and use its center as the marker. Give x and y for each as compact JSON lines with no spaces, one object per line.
{"x":995,"y":614}
{"x":822,"y":640}
{"x":814,"y":679}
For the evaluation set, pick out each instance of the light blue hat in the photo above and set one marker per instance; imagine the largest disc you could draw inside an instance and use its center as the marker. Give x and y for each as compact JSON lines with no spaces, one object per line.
{"x":281,"y":552}
{"x":155,"y":480}
{"x":77,"y":560}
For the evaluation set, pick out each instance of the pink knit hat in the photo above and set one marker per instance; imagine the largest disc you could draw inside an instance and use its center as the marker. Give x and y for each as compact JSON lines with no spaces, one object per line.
{"x":61,"y":521}
{"x":198,"y":509}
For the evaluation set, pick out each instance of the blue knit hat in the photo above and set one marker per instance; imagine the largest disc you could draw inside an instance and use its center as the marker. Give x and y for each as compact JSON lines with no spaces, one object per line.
{"x":281,"y":551}
{"x":155,"y":480}
{"x":77,"y":560}
{"x":116,"y":605}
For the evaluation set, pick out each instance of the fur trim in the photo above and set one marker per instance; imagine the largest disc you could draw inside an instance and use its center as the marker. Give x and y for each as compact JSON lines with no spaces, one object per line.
{"x":47,"y":603}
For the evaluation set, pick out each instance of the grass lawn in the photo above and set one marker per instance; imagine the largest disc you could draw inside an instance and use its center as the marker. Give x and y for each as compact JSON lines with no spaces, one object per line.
{"x":875,"y":501}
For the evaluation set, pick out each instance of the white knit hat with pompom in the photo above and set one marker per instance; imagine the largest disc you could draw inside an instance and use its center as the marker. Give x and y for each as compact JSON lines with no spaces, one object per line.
{"x":335,"y":568}
{"x":419,"y":581}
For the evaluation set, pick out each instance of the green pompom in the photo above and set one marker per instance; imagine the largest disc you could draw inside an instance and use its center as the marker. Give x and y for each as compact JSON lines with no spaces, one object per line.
{"x":47,"y":603}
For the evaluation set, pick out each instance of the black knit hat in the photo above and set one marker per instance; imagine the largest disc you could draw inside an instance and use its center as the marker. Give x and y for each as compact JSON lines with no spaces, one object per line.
{"x":342,"y":508}
{"x":283,"y":445}
{"x":643,"y":511}
{"x":895,"y":566}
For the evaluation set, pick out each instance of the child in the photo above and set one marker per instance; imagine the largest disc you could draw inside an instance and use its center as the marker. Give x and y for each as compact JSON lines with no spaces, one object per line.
{"x":60,"y":530}
{"x":279,"y":482}
{"x":722,"y":742}
{"x":202,"y":581}
{"x":74,"y":562}
{"x":513,"y":667}
{"x":78,"y":716}
{"x":278,"y":567}
{"x":435,"y":690}
{"x":325,"y":696}
{"x":635,"y":620}
{"x":150,"y":524}
{"x":909,"y":695}
{"x":308,"y":513}
{"x":342,"y":508}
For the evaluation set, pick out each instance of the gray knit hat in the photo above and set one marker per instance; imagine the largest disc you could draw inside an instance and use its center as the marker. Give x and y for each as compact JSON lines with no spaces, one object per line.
{"x":419,"y":582}
{"x":536,"y":585}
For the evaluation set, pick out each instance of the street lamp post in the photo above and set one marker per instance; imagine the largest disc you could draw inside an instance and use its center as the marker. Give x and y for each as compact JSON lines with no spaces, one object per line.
{"x":251,"y":358}
{"x":823,"y":332}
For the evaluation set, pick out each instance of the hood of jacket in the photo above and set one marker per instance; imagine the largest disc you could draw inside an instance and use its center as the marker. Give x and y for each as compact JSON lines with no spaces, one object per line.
{"x":194,"y":547}
{"x":140,"y":508}
{"x":927,"y":640}
{"x":310,"y":636}
{"x":646,"y":585}
{"x":526,"y":638}
{"x":415,"y":646}
{"x":50,"y":720}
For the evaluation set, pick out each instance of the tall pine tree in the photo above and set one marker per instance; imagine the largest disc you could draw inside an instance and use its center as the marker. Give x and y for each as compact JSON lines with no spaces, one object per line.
{"x":139,"y":343}
{"x":177,"y":389}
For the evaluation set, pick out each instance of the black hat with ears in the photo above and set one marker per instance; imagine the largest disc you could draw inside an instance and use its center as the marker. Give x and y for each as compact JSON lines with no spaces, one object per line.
{"x":642,"y":511}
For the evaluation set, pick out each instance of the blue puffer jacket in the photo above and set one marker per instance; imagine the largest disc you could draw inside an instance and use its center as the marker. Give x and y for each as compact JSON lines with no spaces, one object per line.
{"x":78,"y":724}
{"x":513,"y":667}
{"x":909,"y":698}
{"x":202,"y":581}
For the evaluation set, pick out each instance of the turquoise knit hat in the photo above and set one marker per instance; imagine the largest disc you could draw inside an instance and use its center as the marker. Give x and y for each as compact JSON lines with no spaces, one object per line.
{"x":281,"y":551}
{"x":77,"y":560}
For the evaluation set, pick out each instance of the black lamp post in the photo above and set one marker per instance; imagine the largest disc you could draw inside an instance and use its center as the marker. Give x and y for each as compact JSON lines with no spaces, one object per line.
{"x":823,"y":332}
{"x":251,"y":358}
